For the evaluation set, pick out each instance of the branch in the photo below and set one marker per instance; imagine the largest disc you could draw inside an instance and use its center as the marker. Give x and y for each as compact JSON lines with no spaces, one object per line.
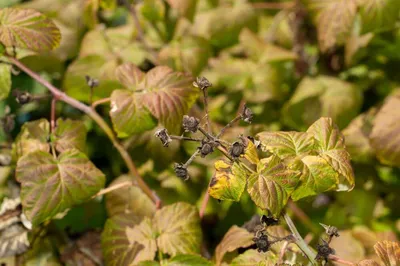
{"x":208,"y":122}
{"x":339,"y":260}
{"x":61,"y":96}
{"x":237,"y":118}
{"x":101,"y":101}
{"x":112,"y":188}
{"x":184,"y":138}
{"x":53,"y":114}
{"x":299,"y":240}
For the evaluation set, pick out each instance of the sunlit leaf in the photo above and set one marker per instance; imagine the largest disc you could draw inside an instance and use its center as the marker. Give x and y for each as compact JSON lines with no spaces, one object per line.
{"x":251,"y":153}
{"x":186,"y":8}
{"x":286,"y":144}
{"x":389,"y":252}
{"x":145,"y":235}
{"x":272,"y":185}
{"x":378,"y":14}
{"x":70,"y":134}
{"x":228,"y":182}
{"x":51,"y":185}
{"x":13,"y":241}
{"x":347,"y":247}
{"x":317,"y":177}
{"x":188,"y":260}
{"x":178,"y":229}
{"x":235,"y":238}
{"x":27,"y":28}
{"x":253,"y":257}
{"x":332,"y":148}
{"x":333,"y":19}
{"x":167,"y":95}
{"x":153,"y":10}
{"x":385,"y":137}
{"x":5,"y":80}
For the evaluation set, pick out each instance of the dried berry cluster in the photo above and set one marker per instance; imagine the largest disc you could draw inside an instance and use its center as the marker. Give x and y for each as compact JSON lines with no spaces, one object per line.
{"x":323,"y":248}
{"x":210,"y":142}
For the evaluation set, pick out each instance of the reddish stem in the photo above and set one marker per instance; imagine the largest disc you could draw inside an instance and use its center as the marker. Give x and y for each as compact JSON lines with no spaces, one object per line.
{"x":53,"y":114}
{"x":204,"y":205}
{"x":342,"y":261}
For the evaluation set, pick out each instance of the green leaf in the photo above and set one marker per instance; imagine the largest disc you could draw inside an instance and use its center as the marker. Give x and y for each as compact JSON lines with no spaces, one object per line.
{"x":186,"y":8}
{"x":117,"y":249}
{"x":32,"y":137}
{"x":108,"y":4}
{"x":388,"y":252}
{"x":166,"y":94}
{"x":253,"y":257}
{"x":97,"y":67}
{"x":153,"y":10}
{"x":178,"y":228}
{"x":331,"y":147}
{"x":70,"y":134}
{"x":128,"y":199}
{"x":5,"y":81}
{"x":378,"y":14}
{"x":51,"y":185}
{"x":385,"y":137}
{"x":235,"y":238}
{"x":286,"y":144}
{"x":322,"y":96}
{"x":251,"y":153}
{"x":228,"y":182}
{"x":90,"y":10}
{"x":271,"y":186}
{"x":317,"y":177}
{"x":222,"y":35}
{"x":333,"y":19}
{"x":188,"y":260}
{"x":145,"y":235}
{"x":27,"y":28}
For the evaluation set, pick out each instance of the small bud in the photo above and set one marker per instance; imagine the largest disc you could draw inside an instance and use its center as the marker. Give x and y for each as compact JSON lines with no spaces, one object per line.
{"x":269,"y":220}
{"x":162,"y":134}
{"x":324,"y":250}
{"x":206,"y":148}
{"x":91,"y":82}
{"x":236,"y":149}
{"x":181,"y":171}
{"x":190,"y":123}
{"x":331,"y":231}
{"x":202,"y":83}
{"x":22,"y":97}
{"x":262,"y":243}
{"x":247,"y":114}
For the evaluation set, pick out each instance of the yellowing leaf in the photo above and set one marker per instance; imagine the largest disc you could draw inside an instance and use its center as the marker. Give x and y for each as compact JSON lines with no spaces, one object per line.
{"x":253,"y":257}
{"x":51,"y":185}
{"x":332,"y":148}
{"x":228,"y":182}
{"x":143,"y":234}
{"x":286,"y":144}
{"x":272,"y":185}
{"x":178,"y":229}
{"x":385,"y":135}
{"x":368,"y":263}
{"x":70,"y":134}
{"x":251,"y":153}
{"x":188,"y":260}
{"x":378,"y":14}
{"x":5,"y":81}
{"x":27,"y":28}
{"x":317,"y":177}
{"x":186,"y":8}
{"x":389,"y":252}
{"x":333,"y":19}
{"x":235,"y":238}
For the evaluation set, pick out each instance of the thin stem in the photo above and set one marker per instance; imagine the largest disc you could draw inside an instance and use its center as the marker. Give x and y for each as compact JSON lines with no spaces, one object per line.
{"x":282,"y":252}
{"x":299,"y":240}
{"x":112,"y":188}
{"x":204,"y":205}
{"x":101,"y":101}
{"x":140,"y":30}
{"x":205,"y":133}
{"x":61,"y":96}
{"x":191,"y":158}
{"x":342,"y":261}
{"x":237,"y":118}
{"x":205,"y":98}
{"x":184,"y":138}
{"x":224,"y":152}
{"x":278,"y":5}
{"x":53,"y":114}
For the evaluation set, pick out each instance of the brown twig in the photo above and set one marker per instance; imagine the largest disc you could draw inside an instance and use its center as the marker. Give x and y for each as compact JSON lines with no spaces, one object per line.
{"x":112,"y":188}
{"x":237,"y":118}
{"x":282,"y":252}
{"x":53,"y":114}
{"x":339,"y":260}
{"x":277,"y":5}
{"x":205,"y":99}
{"x":61,"y":96}
{"x":101,"y":101}
{"x":205,"y":133}
{"x":185,"y":138}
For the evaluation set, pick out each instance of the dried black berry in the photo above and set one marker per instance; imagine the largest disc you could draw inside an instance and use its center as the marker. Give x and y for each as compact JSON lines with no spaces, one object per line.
{"x":92,"y":82}
{"x":22,"y":97}
{"x":262,"y":242}
{"x":206,"y":148}
{"x":162,"y":134}
{"x":202,"y":83}
{"x":181,"y":171}
{"x":269,"y":220}
{"x":324,"y":250}
{"x":236,"y":150}
{"x":331,"y":231}
{"x":190,"y":123}
{"x":247,"y":114}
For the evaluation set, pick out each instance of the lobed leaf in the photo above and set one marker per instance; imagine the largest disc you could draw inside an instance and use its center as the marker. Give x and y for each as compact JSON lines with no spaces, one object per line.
{"x":70,"y":134}
{"x":5,"y":81}
{"x":27,"y":28}
{"x":253,"y":257}
{"x":272,"y":185}
{"x":144,"y":235}
{"x":235,"y":238}
{"x":51,"y":185}
{"x":228,"y":182}
{"x":388,"y":252}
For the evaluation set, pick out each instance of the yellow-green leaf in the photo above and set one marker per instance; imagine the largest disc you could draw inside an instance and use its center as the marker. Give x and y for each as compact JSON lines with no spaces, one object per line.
{"x":378,"y":14}
{"x":228,"y":182}
{"x":186,"y":8}
{"x":144,"y":235}
{"x":253,"y":257}
{"x":5,"y":80}
{"x":250,"y":153}
{"x":153,"y":10}
{"x":27,"y":28}
{"x":389,"y":252}
{"x":51,"y":185}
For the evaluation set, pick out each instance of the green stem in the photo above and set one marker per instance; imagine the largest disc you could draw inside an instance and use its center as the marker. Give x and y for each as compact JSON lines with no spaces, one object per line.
{"x":299,"y":240}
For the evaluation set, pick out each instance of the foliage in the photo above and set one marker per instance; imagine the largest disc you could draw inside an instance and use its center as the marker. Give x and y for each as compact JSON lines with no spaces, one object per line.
{"x":188,"y":132}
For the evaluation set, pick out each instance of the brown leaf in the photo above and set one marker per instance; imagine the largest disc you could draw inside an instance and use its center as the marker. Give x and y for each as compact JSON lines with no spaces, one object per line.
{"x":389,"y":252}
